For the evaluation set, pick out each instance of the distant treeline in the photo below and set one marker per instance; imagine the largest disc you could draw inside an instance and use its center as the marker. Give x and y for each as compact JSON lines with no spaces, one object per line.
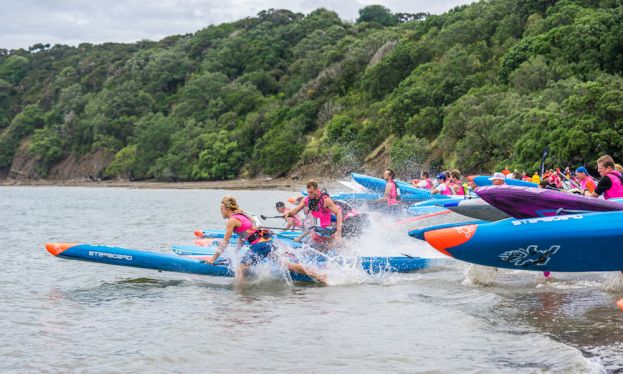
{"x":480,"y":87}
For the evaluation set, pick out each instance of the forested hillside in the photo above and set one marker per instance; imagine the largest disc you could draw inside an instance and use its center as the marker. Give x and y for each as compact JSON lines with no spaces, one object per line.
{"x":480,"y":87}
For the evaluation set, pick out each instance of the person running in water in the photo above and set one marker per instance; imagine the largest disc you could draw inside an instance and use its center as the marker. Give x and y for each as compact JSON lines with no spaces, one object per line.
{"x":610,"y":184}
{"x":260,"y":241}
{"x":321,"y":207}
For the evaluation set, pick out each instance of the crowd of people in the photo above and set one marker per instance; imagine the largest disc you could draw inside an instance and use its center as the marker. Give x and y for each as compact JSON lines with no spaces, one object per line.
{"x":577,"y":181}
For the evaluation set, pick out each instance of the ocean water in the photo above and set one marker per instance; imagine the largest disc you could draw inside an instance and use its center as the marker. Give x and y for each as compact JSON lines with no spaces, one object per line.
{"x":64,"y":316}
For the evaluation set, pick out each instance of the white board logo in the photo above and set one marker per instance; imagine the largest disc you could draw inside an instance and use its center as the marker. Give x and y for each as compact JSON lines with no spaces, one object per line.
{"x":529,"y":256}
{"x":466,"y":230}
{"x":113,"y":256}
{"x":546,"y":219}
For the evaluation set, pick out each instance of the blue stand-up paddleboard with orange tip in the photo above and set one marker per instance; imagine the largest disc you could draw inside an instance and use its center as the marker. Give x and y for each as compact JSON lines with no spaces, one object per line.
{"x":370,"y":264}
{"x":568,"y":243}
{"x":194,"y":262}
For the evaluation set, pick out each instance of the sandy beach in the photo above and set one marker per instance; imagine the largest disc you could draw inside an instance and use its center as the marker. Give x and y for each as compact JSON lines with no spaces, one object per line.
{"x":236,"y":184}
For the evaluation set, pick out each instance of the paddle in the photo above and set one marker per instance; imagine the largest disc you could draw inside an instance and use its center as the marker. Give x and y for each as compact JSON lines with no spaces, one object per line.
{"x":280,"y":228}
{"x":571,"y":182}
{"x":422,"y":217}
{"x":269,"y":217}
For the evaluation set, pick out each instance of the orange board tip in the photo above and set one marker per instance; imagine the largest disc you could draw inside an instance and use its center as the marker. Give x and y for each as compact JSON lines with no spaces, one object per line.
{"x":620,"y":304}
{"x":199,"y":233}
{"x":204,"y":242}
{"x":443,"y":239}
{"x":58,"y":248}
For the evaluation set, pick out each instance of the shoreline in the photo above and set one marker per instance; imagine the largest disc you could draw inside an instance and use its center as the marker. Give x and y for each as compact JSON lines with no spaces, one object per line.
{"x":235,"y":184}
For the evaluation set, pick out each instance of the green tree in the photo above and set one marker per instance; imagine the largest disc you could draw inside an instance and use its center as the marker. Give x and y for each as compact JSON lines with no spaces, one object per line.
{"x":21,"y":126}
{"x":48,"y":146}
{"x":378,"y":14}
{"x":123,"y":164}
{"x":221,"y":158}
{"x":409,"y":154}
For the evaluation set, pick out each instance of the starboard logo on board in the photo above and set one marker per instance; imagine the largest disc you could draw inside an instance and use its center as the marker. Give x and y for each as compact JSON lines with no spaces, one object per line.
{"x":518,"y":222}
{"x":529,"y":256}
{"x":113,"y":256}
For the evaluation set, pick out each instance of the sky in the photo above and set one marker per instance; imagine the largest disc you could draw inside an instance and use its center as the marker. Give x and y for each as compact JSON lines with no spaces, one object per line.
{"x":24,"y":23}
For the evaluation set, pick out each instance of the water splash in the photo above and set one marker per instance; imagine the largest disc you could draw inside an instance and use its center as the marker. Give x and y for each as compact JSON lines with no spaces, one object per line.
{"x":613,"y":282}
{"x":476,"y":275}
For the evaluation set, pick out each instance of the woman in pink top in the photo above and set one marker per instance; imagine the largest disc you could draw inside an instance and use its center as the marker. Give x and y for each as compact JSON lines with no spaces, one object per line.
{"x":391,"y":192}
{"x":259,"y":240}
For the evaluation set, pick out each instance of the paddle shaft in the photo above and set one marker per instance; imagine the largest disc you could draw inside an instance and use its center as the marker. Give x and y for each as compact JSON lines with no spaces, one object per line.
{"x":269,"y":217}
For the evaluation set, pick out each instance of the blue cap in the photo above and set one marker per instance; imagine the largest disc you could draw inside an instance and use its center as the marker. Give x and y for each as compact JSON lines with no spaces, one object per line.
{"x":581,"y":169}
{"x":441,"y":176}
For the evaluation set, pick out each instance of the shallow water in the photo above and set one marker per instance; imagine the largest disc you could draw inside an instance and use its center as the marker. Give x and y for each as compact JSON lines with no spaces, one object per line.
{"x":68,"y":316}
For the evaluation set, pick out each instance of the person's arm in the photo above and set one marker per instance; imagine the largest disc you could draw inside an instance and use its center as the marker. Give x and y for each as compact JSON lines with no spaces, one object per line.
{"x":290,"y":223}
{"x":304,"y":234}
{"x":338,"y":216}
{"x":229,"y":230}
{"x":386,"y":193}
{"x":294,"y":211}
{"x":604,"y":185}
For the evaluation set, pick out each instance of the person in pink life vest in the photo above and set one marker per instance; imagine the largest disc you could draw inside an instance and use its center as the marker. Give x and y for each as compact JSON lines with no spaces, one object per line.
{"x":248,"y":230}
{"x":391,"y":195}
{"x":293,"y":222}
{"x":442,"y":187}
{"x":587,"y":183}
{"x":423,"y":182}
{"x":455,"y":182}
{"x":261,"y":245}
{"x":322,"y":207}
{"x":610,"y":184}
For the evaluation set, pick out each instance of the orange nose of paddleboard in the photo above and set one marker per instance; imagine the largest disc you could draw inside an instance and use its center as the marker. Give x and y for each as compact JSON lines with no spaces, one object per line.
{"x":443,"y":239}
{"x":199,"y":233}
{"x":58,"y":248}
{"x":620,"y":304}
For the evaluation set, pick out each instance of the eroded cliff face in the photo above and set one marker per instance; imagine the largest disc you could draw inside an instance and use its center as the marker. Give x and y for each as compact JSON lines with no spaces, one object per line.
{"x":25,"y":166}
{"x":89,"y":166}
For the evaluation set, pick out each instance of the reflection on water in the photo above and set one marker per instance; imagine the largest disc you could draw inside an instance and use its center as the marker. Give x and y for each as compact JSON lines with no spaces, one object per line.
{"x":67,"y":316}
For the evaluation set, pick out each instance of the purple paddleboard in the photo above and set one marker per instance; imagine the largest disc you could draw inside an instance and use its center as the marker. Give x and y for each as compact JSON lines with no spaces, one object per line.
{"x":528,"y":202}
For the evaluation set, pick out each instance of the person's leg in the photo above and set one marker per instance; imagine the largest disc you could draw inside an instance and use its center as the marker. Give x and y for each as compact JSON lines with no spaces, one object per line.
{"x":241,"y":273}
{"x":301,"y":269}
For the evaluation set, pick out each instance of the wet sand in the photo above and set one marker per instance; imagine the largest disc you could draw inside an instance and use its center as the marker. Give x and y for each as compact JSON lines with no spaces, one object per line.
{"x":236,"y":184}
